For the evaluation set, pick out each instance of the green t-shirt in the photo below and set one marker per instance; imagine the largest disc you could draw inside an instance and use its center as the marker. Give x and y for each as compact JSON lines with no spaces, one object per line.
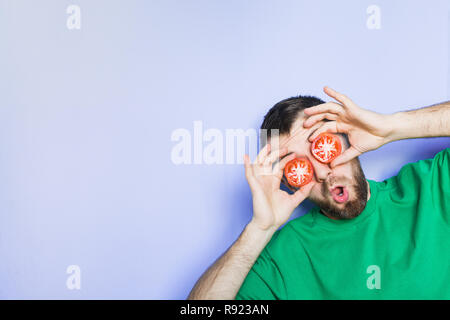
{"x":397,"y":248}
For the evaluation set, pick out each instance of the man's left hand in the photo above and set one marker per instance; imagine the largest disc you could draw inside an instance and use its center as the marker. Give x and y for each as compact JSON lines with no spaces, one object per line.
{"x":366,"y":130}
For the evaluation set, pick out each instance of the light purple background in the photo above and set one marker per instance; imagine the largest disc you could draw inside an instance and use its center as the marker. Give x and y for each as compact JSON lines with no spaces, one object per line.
{"x":86,"y":118}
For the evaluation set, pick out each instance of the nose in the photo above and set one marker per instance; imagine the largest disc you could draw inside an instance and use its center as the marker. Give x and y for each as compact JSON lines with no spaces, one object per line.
{"x":321,"y":170}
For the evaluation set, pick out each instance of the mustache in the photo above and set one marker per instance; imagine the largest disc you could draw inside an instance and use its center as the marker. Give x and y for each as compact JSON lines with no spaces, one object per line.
{"x":333,"y":180}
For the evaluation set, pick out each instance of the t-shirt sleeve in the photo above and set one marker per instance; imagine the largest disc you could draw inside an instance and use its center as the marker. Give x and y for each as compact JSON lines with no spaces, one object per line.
{"x":440,"y":182}
{"x":263,"y":282}
{"x":425,"y":183}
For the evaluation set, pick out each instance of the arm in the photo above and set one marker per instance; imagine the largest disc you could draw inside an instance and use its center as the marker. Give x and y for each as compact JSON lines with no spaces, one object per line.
{"x":271,"y":208}
{"x":224,"y":278}
{"x":369,"y":130}
{"x":433,"y":121}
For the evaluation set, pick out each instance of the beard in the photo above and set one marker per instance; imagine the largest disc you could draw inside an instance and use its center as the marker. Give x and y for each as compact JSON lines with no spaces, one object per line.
{"x":351,"y":208}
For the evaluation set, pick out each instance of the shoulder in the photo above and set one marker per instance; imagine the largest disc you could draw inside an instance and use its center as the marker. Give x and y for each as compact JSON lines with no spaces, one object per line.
{"x":417,"y":181}
{"x":443,"y":157}
{"x":418,"y":171}
{"x":290,"y":233}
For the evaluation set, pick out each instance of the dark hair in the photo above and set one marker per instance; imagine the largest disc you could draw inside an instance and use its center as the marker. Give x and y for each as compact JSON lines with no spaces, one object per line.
{"x":282,"y":115}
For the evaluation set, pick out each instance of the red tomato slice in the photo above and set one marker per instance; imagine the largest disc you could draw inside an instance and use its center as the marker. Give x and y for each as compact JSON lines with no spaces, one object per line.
{"x":299,"y":172}
{"x":326,"y":147}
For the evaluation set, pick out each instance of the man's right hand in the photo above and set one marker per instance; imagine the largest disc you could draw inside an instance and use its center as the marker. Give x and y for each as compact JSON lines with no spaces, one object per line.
{"x":272,"y":206}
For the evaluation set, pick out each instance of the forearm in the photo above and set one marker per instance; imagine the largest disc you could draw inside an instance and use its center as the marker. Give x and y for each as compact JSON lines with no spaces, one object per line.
{"x":433,"y":121}
{"x":224,"y":278}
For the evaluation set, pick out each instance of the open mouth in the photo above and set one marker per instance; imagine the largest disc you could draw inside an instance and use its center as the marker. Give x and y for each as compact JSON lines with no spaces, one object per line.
{"x":339,"y":194}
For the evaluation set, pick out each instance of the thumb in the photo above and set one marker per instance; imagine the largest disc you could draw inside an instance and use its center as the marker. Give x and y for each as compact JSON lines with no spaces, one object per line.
{"x":301,"y":194}
{"x":348,"y":155}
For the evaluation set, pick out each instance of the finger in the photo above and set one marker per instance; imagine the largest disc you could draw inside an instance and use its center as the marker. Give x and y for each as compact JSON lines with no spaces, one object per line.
{"x":279,"y":167}
{"x":248,"y":167}
{"x":330,"y":107}
{"x":342,"y":98}
{"x":263,"y":154}
{"x":326,"y":127}
{"x":312,"y":120}
{"x":301,"y":194}
{"x":346,"y":156}
{"x":275,"y":155}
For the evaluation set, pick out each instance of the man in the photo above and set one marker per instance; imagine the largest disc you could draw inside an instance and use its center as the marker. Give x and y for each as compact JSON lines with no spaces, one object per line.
{"x":387,"y":240}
